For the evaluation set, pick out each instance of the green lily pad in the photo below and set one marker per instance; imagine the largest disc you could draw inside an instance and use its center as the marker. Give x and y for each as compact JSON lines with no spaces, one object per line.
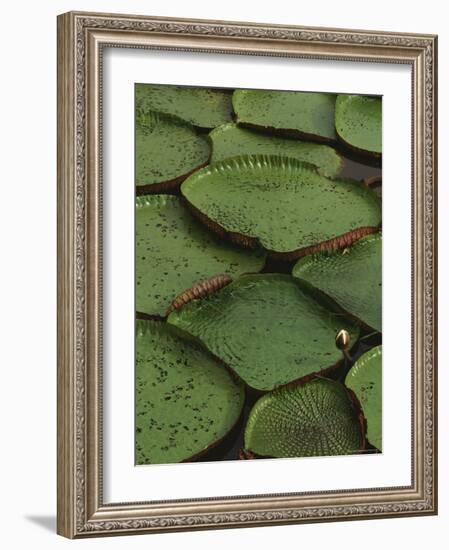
{"x":301,"y":114}
{"x":203,"y":107}
{"x":185,"y":400}
{"x":167,"y":151}
{"x":365,"y":380}
{"x":358,"y":121}
{"x":352,"y":277}
{"x":314,"y":419}
{"x":267,"y":328}
{"x":231,"y":140}
{"x":174,"y":251}
{"x":281,"y":203}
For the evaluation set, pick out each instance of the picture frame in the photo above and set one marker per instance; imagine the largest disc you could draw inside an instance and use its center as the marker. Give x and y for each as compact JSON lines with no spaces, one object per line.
{"x":82,"y":41}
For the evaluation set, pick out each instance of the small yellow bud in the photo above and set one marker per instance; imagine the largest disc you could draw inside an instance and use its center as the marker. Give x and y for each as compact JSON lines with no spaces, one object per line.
{"x":342,"y":340}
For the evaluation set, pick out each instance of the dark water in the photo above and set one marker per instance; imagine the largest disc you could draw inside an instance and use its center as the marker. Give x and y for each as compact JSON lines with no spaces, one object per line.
{"x":358,"y":171}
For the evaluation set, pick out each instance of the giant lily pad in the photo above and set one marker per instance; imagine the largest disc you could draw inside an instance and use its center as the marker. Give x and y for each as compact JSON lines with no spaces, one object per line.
{"x":352,"y":277}
{"x":185,"y":400}
{"x":167,"y":151}
{"x":266,"y":328}
{"x":301,"y":114}
{"x":365,"y":380}
{"x":231,"y":140}
{"x":281,"y":203}
{"x":358,"y":121}
{"x":204,"y":107}
{"x":314,"y":419}
{"x":174,"y":251}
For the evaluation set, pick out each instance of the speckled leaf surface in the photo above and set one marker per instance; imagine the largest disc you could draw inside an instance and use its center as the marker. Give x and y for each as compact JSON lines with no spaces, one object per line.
{"x":365,"y":380}
{"x":266,"y":328}
{"x":313,"y":419}
{"x":352,"y":277}
{"x":231,"y":140}
{"x":167,"y":149}
{"x":174,"y":251}
{"x":282,"y":202}
{"x":185,"y":400}
{"x":358,"y":121}
{"x":311,"y":114}
{"x":203,"y":107}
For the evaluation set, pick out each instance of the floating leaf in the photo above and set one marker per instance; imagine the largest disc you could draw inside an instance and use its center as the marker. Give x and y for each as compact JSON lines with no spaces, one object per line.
{"x":358,"y":121}
{"x":365,"y":380}
{"x":352,"y":277}
{"x":314,"y":419}
{"x":282,"y":204}
{"x":185,"y":400}
{"x":167,"y":151}
{"x":174,"y":251}
{"x":199,"y":290}
{"x":266,"y":328}
{"x":300,"y":114}
{"x":203,"y":107}
{"x":231,"y":140}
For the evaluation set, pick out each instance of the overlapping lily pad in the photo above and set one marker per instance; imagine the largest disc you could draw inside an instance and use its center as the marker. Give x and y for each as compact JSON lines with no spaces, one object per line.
{"x":203,"y":107}
{"x":300,"y":114}
{"x":352,"y":277}
{"x":167,"y":151}
{"x":231,"y":140}
{"x":185,"y":400}
{"x":365,"y":380}
{"x":174,"y":251}
{"x":282,"y":204}
{"x":358,"y":122}
{"x":267,"y":328}
{"x":314,"y":419}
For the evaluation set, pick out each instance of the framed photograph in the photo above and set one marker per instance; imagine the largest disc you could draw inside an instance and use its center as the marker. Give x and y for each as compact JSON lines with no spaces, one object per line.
{"x":246,"y":274}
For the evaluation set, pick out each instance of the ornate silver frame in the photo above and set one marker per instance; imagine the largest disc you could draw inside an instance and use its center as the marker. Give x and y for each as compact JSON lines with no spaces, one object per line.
{"x":81,"y":38}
